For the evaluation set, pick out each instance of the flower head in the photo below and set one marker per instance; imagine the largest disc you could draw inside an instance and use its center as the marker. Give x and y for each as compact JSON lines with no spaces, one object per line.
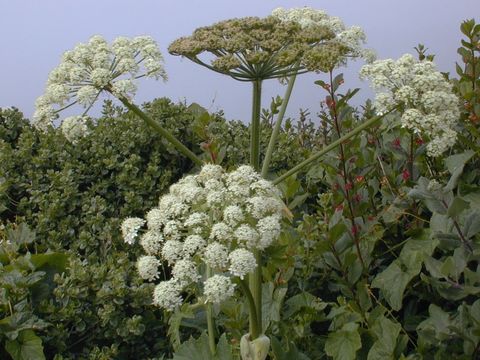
{"x":430,"y":107}
{"x":287,"y":42}
{"x":218,"y":288}
{"x":95,"y":67}
{"x":130,"y":227}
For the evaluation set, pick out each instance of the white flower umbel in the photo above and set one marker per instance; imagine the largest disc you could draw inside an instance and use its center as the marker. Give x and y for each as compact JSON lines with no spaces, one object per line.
{"x":218,"y":288}
{"x":216,"y":256}
{"x":167,"y":295}
{"x":148,"y":267}
{"x":431,"y":109}
{"x":96,"y":67}
{"x":74,"y":128}
{"x":242,"y":262}
{"x":194,"y":245}
{"x":152,"y":242}
{"x":185,"y":271}
{"x":210,"y":224}
{"x":130,"y":227}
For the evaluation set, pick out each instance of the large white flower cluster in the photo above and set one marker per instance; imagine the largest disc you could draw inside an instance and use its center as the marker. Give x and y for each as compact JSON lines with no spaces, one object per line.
{"x":430,"y":107}
{"x":213,"y":218}
{"x":96,"y":66}
{"x":353,"y":37}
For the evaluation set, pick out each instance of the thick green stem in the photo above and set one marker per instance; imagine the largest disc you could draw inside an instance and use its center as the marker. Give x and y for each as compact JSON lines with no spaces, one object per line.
{"x":210,"y":321}
{"x":255,"y":125}
{"x":333,"y":145}
{"x":256,"y":277}
{"x":254,"y":329}
{"x":278,"y":125}
{"x":163,"y":132}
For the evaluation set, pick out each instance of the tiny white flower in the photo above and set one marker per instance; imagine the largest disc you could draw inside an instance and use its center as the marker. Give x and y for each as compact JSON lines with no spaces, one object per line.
{"x":148,"y":267}
{"x":185,"y":272}
{"x":218,"y":288}
{"x":172,"y":251}
{"x":130,"y":227}
{"x":167,"y":295}
{"x":152,"y":242}
{"x":242,"y":262}
{"x":216,"y":255}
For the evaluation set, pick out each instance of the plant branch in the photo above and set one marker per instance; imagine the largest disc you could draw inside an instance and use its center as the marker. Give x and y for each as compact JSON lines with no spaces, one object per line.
{"x":163,"y":132}
{"x":278,"y":124}
{"x":333,"y":145}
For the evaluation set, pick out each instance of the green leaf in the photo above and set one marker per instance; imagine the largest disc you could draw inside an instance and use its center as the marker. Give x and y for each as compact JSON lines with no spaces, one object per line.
{"x":195,"y":349}
{"x":27,"y":346}
{"x":455,"y":164}
{"x":344,"y":343}
{"x":386,"y":332}
{"x":457,"y":206}
{"x":402,"y":270}
{"x":21,"y":234}
{"x":472,"y":224}
{"x":291,"y":353}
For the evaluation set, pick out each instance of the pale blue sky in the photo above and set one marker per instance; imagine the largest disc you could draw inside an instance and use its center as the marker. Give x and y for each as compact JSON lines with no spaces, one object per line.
{"x":35,"y":33}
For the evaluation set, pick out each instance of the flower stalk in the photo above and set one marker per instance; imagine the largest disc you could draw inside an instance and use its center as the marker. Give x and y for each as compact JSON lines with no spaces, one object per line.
{"x":332,"y":146}
{"x":163,"y":132}
{"x":278,"y":125}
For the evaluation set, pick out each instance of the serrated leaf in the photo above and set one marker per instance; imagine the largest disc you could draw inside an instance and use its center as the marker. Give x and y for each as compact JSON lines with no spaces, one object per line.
{"x":343,"y":344}
{"x":27,"y":346}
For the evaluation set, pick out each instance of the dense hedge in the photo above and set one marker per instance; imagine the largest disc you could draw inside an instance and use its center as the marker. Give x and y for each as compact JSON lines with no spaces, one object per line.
{"x":76,"y":195}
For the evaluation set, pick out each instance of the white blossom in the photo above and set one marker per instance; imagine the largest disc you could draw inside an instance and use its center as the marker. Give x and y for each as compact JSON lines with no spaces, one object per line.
{"x":95,"y":67}
{"x":130,"y":227}
{"x":148,"y":267}
{"x":242,"y":262}
{"x":194,"y":244}
{"x":172,"y":251}
{"x":218,"y":288}
{"x":431,"y":108}
{"x":185,"y":271}
{"x":247,"y":236}
{"x":152,"y":242}
{"x":233,"y":215}
{"x":216,"y":255}
{"x":155,"y":219}
{"x":74,"y":128}
{"x":167,"y":295}
{"x":269,"y":229}
{"x":221,"y":232}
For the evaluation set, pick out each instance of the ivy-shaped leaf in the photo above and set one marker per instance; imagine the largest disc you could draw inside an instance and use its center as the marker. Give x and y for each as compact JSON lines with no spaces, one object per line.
{"x":344,"y":343}
{"x":27,"y":346}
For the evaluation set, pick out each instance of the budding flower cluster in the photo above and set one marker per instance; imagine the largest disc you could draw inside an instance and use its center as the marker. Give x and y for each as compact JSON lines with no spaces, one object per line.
{"x":213,"y":218}
{"x":276,"y":46}
{"x":430,"y":107}
{"x":91,"y":68}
